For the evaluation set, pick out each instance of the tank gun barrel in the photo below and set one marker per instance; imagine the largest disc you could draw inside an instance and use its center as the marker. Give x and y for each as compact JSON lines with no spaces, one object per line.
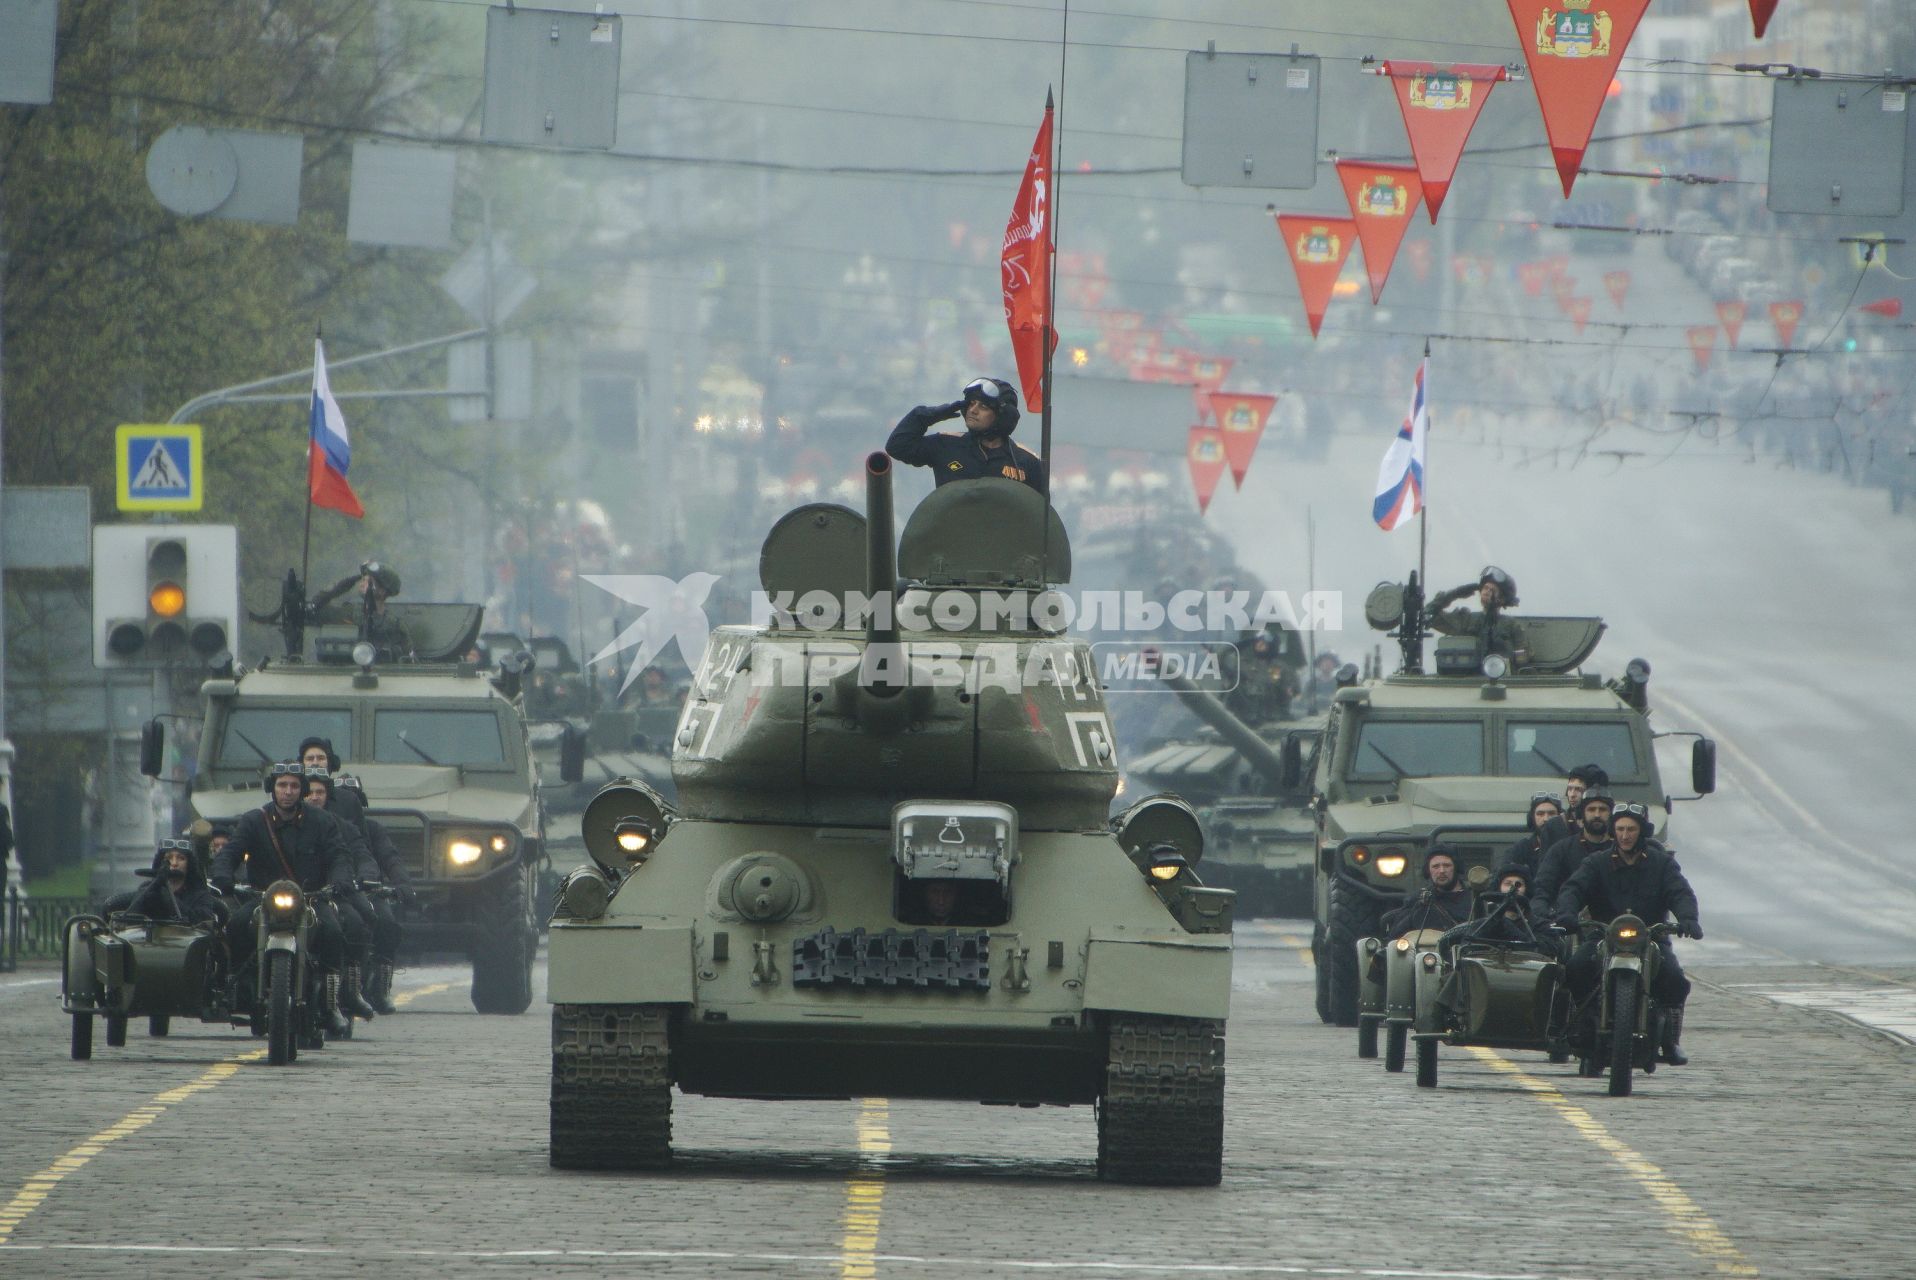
{"x":1262,"y":756}
{"x":881,"y":548}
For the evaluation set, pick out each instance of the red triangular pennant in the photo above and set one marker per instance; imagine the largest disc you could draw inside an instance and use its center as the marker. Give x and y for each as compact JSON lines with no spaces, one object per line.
{"x":1440,"y":105}
{"x":1573,"y":48}
{"x":1785,"y":315}
{"x":1318,"y":247}
{"x":1206,"y":456}
{"x":1381,"y":197}
{"x":1533,"y":275}
{"x":1702,"y":343}
{"x":1241,"y":419}
{"x":1618,"y":283}
{"x":1888,"y":308}
{"x":1760,"y":13}
{"x":1730,"y":316}
{"x":1579,"y":309}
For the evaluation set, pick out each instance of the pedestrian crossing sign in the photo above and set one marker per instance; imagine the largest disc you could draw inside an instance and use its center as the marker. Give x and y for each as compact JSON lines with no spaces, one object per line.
{"x":158,"y":467}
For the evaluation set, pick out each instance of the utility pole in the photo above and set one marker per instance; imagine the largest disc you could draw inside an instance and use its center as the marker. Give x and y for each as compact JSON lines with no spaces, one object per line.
{"x":10,"y":875}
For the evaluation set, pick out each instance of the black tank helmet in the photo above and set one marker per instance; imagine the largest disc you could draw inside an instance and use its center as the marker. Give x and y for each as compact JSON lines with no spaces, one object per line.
{"x":1630,"y":809}
{"x":332,"y":756}
{"x":1445,"y":851}
{"x":1506,"y":585}
{"x":1505,"y":872}
{"x":1530,"y":814}
{"x":997,"y":394}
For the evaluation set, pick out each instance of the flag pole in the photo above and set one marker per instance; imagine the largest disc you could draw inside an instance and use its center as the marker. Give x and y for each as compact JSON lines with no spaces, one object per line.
{"x":306,"y":542}
{"x":1423,"y":510}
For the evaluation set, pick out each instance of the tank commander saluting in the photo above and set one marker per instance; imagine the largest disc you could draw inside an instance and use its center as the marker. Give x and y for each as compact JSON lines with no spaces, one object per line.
{"x":990,"y":410}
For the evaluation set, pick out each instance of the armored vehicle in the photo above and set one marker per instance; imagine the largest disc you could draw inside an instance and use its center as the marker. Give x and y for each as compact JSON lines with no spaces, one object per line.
{"x":441,"y":748}
{"x":1251,"y":787}
{"x":890,"y":868}
{"x":1415,"y":758}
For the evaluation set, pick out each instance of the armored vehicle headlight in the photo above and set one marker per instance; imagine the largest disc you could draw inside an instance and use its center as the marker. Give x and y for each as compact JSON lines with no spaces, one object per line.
{"x":464,"y":853}
{"x":1360,"y":855}
{"x":364,"y":653}
{"x":1392,"y":864}
{"x":1496,"y":666}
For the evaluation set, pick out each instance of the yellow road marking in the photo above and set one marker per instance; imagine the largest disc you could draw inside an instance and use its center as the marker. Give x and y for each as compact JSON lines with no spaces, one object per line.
{"x":1687,"y":1221}
{"x":405,"y":998}
{"x":865,"y":1193}
{"x":39,"y":1185}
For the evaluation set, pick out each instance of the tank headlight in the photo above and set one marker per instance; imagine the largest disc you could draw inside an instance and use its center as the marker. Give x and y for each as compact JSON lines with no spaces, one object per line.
{"x":633,"y":835}
{"x":463,"y":853}
{"x":1167,"y":866}
{"x":1392,"y":865}
{"x":1496,"y":666}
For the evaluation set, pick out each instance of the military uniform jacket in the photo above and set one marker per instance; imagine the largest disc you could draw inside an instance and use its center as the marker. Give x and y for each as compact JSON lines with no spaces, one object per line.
{"x":960,"y":457}
{"x":1653,"y":888}
{"x":1559,"y":861}
{"x":312,"y":841}
{"x":1440,"y":911}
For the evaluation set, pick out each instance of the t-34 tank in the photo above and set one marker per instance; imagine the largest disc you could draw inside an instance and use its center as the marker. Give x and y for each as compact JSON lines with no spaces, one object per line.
{"x":890,"y":871}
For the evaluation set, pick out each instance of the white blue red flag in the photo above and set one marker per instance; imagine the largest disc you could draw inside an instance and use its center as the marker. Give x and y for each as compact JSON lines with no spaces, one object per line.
{"x":1400,"y":481}
{"x":330,"y":453}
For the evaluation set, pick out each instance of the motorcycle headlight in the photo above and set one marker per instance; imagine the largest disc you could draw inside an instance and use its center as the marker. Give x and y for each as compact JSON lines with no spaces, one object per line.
{"x":1391,"y":865}
{"x":1626,"y":933}
{"x":1402,"y":944}
{"x":284,"y":902}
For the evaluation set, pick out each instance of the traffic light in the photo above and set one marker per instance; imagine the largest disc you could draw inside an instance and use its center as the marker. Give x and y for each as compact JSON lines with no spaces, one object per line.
{"x":164,"y":595}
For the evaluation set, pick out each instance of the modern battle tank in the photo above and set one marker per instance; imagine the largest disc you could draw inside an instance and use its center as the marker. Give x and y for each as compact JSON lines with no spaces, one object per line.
{"x":1250,"y":782}
{"x":890,"y":869}
{"x":1453,"y":757}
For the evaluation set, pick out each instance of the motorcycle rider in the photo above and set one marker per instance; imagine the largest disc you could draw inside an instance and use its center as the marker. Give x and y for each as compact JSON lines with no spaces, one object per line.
{"x":1445,"y":902}
{"x":989,"y":407}
{"x":1496,"y":591}
{"x":175,"y":889}
{"x":1592,"y":814}
{"x":1583,"y":778}
{"x":1638,"y":877}
{"x":1509,"y":920}
{"x":1527,"y":852}
{"x":320,"y":794}
{"x":285,"y":840}
{"x":386,"y":866}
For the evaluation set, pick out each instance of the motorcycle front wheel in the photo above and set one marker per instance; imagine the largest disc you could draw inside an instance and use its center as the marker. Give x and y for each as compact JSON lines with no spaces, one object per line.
{"x":1623,"y":1033}
{"x":279,"y":1009}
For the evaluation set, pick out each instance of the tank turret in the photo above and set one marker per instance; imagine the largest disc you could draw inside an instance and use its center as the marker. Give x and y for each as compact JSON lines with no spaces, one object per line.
{"x":1261,"y":756}
{"x":862,"y":692}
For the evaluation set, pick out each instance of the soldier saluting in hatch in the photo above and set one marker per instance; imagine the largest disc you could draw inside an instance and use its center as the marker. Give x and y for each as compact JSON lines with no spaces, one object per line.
{"x":1496,"y":591}
{"x":373,"y":585}
{"x":990,"y":410}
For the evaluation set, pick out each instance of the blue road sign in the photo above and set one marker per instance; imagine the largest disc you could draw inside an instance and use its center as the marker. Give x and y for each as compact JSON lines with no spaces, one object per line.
{"x":158,"y":467}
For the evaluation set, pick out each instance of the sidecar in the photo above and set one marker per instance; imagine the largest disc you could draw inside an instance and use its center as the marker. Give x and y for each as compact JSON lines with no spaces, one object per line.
{"x":1500,"y":995}
{"x":127,"y":966}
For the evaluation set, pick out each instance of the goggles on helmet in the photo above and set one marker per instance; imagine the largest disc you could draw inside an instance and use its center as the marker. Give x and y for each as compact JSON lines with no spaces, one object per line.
{"x":286,"y":769}
{"x":1492,"y":573}
{"x":173,"y":846}
{"x":1631,"y":810}
{"x":1546,"y":797}
{"x":984,"y":389}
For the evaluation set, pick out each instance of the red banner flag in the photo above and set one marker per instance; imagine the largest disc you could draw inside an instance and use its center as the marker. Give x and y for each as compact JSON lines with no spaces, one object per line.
{"x":1888,"y":308}
{"x":1730,"y":316}
{"x":1440,"y":106}
{"x":1026,"y":262}
{"x":1573,"y":52}
{"x":1533,"y":275}
{"x":1208,"y":372}
{"x":1206,"y":456}
{"x":1579,"y":309}
{"x":1318,"y":247}
{"x":1381,"y":197}
{"x":1241,"y":419}
{"x":1618,"y":283}
{"x":1760,"y":14}
{"x":1785,"y":315}
{"x":1702,"y":343}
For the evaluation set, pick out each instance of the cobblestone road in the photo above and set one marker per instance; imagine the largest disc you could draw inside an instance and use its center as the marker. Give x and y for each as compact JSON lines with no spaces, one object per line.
{"x":1787,"y":1150}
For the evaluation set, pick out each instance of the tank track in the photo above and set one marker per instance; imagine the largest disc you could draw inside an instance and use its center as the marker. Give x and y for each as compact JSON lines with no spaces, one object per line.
{"x":1161,"y":1117}
{"x":611,"y":1087}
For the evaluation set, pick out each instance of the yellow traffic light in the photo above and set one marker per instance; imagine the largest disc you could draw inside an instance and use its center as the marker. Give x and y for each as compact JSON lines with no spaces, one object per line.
{"x":167,"y":599}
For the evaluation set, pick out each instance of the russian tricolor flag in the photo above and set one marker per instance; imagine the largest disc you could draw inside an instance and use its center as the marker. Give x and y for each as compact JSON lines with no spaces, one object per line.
{"x":330,"y":453}
{"x":1400,"y":481}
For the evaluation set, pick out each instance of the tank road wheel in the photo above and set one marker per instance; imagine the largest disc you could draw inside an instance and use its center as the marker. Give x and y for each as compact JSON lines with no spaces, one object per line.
{"x":159,"y":1024}
{"x":116,"y":1030}
{"x":1367,"y":1037}
{"x":1350,"y":920}
{"x":279,"y":1009}
{"x":502,"y":959}
{"x":1396,"y":1037}
{"x":611,"y":1087}
{"x":1623,"y":1032}
{"x":1161,"y":1117}
{"x":1427,"y":1063}
{"x":1320,"y":971}
{"x":82,"y":1036}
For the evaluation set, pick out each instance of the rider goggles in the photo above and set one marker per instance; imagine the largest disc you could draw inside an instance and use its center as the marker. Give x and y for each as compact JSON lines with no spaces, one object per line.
{"x":348,"y":782}
{"x":1546,"y":797}
{"x":1640,"y":812}
{"x":286,"y":769}
{"x":984,"y":389}
{"x":170,"y":846}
